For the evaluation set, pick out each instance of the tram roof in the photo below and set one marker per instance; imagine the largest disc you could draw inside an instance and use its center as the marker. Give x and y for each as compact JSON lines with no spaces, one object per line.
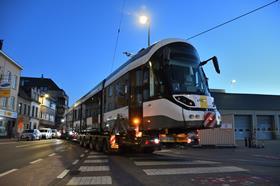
{"x":136,"y":60}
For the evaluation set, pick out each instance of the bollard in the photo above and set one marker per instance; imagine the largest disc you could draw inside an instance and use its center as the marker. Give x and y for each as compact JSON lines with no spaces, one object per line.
{"x":246,"y":142}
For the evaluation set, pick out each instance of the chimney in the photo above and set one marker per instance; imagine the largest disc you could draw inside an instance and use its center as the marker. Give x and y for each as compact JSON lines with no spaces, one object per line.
{"x":1,"y":44}
{"x":42,"y":76}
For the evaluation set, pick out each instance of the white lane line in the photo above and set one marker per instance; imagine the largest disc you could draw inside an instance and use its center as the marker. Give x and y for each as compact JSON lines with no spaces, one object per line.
{"x":98,"y":156}
{"x":145,"y":163}
{"x":36,"y":161}
{"x":194,"y":170}
{"x":94,"y":168}
{"x":95,"y":153}
{"x":91,"y":180}
{"x":75,"y":162}
{"x":96,"y":161}
{"x":19,"y":146}
{"x":52,"y":154}
{"x":63,"y":174}
{"x":82,"y":155}
{"x":5,"y":143}
{"x":8,"y":172}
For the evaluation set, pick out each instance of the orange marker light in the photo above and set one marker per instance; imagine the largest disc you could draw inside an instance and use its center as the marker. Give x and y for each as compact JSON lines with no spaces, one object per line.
{"x":136,"y":121}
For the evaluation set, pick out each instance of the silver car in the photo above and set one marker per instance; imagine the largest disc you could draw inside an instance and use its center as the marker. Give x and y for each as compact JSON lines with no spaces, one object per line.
{"x":31,"y":134}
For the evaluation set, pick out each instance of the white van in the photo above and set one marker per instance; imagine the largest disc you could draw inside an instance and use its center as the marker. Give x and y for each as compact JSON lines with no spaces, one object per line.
{"x":46,"y":133}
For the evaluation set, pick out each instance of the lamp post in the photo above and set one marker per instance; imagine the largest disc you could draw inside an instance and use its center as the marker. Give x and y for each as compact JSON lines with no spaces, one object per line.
{"x":145,"y":20}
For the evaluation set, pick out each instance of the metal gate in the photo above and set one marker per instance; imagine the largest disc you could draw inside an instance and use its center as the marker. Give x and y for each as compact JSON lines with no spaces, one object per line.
{"x":243,"y":126}
{"x":264,"y":127}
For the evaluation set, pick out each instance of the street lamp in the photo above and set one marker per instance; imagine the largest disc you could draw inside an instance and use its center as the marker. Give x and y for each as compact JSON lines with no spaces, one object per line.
{"x":145,"y":20}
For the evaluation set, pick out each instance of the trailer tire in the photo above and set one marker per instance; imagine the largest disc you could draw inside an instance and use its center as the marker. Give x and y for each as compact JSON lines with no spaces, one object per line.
{"x":91,"y":144}
{"x":84,"y":143}
{"x":97,"y":145}
{"x":81,"y":141}
{"x":148,"y":150}
{"x":105,"y":147}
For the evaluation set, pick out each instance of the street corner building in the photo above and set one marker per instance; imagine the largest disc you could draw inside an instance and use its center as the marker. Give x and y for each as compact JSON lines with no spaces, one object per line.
{"x":53,"y":102}
{"x":9,"y":86}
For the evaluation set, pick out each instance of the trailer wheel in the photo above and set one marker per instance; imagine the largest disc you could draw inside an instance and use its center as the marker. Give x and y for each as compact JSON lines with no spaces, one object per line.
{"x":91,"y":145}
{"x":148,"y":150}
{"x":97,"y":145}
{"x":105,"y":147}
{"x":84,"y":143}
{"x":81,"y":141}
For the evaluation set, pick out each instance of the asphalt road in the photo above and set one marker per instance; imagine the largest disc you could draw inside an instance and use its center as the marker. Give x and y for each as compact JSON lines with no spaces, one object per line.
{"x":57,"y":162}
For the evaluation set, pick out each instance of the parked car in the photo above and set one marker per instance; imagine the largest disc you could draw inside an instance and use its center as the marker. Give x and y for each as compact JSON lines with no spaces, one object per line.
{"x":46,"y":133}
{"x":70,"y":135}
{"x":56,"y":133}
{"x":31,"y":134}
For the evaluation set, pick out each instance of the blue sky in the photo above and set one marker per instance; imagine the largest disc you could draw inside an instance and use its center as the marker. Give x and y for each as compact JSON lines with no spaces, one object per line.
{"x":72,"y":42}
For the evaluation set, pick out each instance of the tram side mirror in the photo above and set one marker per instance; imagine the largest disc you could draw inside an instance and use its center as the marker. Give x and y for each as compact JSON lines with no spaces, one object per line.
{"x":215,"y":63}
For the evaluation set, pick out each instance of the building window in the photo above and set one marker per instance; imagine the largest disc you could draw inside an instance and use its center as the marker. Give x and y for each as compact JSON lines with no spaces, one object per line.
{"x":28,"y":110}
{"x":9,"y":76}
{"x":19,"y":108}
{"x":14,"y":83}
{"x":36,"y":112}
{"x":33,"y":110}
{"x":12,"y":103}
{"x":24,"y":109}
{"x":4,"y":102}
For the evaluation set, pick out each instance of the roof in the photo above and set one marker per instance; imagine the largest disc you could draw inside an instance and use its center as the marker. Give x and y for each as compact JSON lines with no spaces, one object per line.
{"x":23,"y":94}
{"x":11,"y":60}
{"x":40,"y":82}
{"x":230,"y":101}
{"x":137,"y":60}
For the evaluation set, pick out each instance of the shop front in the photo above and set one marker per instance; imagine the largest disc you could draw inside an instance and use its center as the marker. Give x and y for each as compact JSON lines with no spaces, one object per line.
{"x":7,"y":123}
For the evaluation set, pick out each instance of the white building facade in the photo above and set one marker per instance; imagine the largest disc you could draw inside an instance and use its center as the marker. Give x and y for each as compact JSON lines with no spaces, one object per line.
{"x":9,"y":85}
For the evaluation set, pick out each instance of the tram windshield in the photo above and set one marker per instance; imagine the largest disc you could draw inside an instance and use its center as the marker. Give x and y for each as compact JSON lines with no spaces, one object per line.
{"x":184,"y":75}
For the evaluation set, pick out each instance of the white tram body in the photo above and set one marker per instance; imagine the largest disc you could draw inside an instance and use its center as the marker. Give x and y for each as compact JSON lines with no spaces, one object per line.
{"x":162,"y":87}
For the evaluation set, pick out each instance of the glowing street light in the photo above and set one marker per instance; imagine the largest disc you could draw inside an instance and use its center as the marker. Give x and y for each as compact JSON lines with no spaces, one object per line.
{"x":145,"y":20}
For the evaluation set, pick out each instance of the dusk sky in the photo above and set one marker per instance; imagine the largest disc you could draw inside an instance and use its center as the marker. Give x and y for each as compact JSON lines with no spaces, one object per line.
{"x":72,"y":42}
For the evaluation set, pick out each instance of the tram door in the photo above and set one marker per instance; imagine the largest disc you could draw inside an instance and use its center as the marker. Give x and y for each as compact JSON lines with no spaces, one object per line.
{"x":136,"y":100}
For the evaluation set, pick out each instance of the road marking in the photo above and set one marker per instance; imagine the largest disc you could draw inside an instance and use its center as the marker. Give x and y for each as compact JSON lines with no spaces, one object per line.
{"x":75,"y":162}
{"x":93,"y":168}
{"x":10,"y":142}
{"x":82,"y":155}
{"x":96,"y":161}
{"x":63,"y":173}
{"x":8,"y":172}
{"x":194,"y":170}
{"x":94,"y":153}
{"x":164,"y":150}
{"x":91,"y":180}
{"x":98,"y":156}
{"x":36,"y":161}
{"x":19,"y":146}
{"x":144,"y":163}
{"x":52,"y":154}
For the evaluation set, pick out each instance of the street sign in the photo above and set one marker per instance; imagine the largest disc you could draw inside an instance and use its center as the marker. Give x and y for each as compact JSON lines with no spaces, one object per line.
{"x":5,"y":92}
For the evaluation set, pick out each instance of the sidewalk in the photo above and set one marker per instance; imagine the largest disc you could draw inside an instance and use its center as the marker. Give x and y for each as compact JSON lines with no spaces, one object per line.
{"x":3,"y":139}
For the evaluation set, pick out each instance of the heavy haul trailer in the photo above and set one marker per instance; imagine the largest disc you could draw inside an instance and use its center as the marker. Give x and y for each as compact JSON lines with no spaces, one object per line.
{"x":162,"y":90}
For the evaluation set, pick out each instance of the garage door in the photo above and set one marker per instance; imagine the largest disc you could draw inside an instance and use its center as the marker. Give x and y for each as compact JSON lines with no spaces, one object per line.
{"x":242,"y":125}
{"x":264,"y":127}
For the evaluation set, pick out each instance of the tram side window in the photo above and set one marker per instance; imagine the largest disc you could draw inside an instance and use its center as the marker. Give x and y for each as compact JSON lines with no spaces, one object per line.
{"x":121,"y":92}
{"x":109,"y":105}
{"x":146,"y":93}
